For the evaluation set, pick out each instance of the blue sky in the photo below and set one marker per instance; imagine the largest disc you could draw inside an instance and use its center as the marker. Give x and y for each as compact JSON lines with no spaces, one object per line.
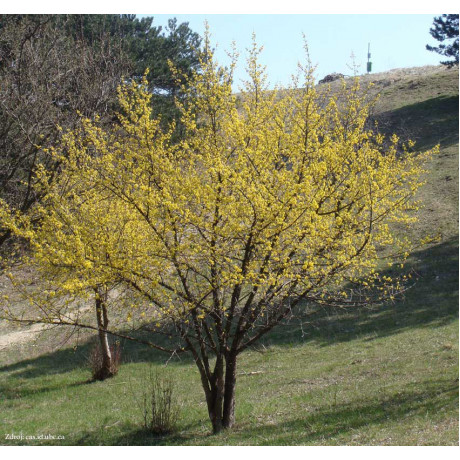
{"x":397,"y":40}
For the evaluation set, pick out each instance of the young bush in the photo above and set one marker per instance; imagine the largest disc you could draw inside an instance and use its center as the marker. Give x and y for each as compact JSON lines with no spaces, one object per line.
{"x":159,"y":405}
{"x":97,"y":365}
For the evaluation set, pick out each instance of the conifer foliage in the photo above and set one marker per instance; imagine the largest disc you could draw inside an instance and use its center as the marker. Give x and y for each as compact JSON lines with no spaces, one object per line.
{"x":445,"y":31}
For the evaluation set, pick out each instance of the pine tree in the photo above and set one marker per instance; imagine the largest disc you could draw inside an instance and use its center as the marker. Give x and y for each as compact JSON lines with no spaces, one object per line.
{"x":444,"y":28}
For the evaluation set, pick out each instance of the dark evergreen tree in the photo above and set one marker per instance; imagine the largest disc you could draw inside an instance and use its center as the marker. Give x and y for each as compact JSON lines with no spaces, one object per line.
{"x":145,"y":46}
{"x":445,"y":29}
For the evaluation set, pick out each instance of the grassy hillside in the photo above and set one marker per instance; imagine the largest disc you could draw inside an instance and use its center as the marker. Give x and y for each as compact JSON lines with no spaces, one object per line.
{"x":375,"y":377}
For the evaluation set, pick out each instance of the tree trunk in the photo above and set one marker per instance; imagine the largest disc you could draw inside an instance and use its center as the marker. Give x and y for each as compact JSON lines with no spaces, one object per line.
{"x":229,"y":392}
{"x":106,"y":369}
{"x":216,"y":396}
{"x":215,"y":411}
{"x":220,"y":393}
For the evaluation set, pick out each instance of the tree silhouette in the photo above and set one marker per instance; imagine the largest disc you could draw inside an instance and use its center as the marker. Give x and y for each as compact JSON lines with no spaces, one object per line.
{"x":444,"y":28}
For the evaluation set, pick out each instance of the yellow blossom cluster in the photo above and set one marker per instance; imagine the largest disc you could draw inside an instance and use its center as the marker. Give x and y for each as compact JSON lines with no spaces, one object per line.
{"x":269,"y":196}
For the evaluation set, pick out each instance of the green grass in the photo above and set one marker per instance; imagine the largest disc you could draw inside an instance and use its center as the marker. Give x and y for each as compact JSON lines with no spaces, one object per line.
{"x":382,"y":376}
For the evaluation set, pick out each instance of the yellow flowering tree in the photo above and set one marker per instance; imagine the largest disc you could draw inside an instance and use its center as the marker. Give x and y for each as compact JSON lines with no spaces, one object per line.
{"x":274,"y":201}
{"x":69,"y":234}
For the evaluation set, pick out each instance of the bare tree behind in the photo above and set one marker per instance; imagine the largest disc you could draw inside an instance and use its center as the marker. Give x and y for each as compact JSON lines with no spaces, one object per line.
{"x":47,"y":77}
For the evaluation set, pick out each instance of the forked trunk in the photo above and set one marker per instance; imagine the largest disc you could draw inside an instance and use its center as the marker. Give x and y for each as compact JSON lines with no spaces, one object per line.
{"x":221,"y":397}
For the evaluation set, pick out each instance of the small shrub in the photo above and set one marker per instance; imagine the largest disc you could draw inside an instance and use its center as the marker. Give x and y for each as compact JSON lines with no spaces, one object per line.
{"x":159,"y":405}
{"x":95,"y":362}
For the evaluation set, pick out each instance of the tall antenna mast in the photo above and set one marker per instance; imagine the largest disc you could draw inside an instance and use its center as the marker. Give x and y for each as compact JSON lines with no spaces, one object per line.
{"x":369,"y":63}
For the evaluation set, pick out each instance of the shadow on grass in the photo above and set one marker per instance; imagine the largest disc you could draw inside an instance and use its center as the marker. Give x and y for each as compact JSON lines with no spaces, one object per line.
{"x":432,"y":301}
{"x":424,"y":399}
{"x":9,"y":392}
{"x":131,"y":435}
{"x":427,"y":123}
{"x":68,"y":359}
